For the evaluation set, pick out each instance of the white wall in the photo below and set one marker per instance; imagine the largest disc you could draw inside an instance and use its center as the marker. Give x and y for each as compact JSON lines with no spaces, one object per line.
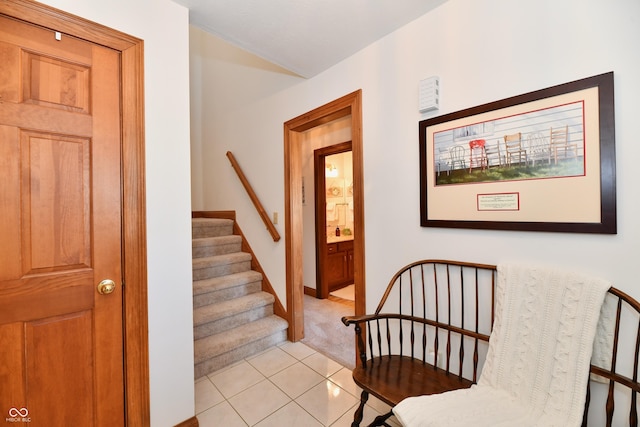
{"x":163,"y":25}
{"x":483,"y":51}
{"x":232,"y":97}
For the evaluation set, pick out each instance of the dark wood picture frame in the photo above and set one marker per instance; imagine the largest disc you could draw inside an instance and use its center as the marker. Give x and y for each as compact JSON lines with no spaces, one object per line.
{"x":467,"y":194}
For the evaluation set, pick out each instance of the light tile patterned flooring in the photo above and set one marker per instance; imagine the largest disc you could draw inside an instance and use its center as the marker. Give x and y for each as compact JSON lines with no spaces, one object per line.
{"x":287,"y":385}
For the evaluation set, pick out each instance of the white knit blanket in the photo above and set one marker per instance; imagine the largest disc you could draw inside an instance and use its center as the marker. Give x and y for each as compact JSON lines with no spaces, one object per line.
{"x":537,"y":365}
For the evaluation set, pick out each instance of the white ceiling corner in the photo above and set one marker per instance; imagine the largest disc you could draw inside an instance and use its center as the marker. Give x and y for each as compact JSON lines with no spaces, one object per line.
{"x":305,"y":37}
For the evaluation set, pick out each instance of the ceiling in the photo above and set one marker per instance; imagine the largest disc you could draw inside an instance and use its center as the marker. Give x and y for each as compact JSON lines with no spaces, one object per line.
{"x":304,"y":36}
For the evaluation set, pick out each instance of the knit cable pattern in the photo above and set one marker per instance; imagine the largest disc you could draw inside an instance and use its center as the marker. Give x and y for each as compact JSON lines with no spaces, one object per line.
{"x":539,"y":353}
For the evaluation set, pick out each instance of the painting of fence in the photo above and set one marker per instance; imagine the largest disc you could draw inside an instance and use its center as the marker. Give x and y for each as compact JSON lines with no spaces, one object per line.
{"x":544,"y":160}
{"x":549,"y":143}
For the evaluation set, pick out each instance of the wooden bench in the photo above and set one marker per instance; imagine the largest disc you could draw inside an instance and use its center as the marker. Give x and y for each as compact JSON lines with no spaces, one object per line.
{"x":430,"y":332}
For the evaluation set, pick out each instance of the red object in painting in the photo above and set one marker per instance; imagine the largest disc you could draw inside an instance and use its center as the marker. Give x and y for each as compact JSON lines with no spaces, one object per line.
{"x":476,"y":143}
{"x":476,"y":154}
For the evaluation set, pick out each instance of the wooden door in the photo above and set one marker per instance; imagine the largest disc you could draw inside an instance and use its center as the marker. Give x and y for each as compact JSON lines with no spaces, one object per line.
{"x":61,"y":341}
{"x":326,"y":265}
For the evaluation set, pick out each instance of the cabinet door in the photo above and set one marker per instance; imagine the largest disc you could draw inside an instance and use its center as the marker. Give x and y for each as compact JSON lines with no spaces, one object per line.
{"x":336,"y":268}
{"x":347,"y":249}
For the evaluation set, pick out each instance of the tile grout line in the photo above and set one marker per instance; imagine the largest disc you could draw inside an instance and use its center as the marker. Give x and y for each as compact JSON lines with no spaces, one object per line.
{"x":297,"y":359}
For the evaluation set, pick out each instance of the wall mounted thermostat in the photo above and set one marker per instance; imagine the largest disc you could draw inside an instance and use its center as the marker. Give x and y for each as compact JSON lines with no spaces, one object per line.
{"x":429,"y":94}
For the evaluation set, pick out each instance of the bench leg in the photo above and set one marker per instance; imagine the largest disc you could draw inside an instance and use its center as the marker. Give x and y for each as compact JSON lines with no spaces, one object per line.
{"x":381,"y":420}
{"x":357,"y":416}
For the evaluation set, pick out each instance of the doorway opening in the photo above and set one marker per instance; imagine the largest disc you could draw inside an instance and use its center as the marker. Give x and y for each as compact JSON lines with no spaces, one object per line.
{"x":349,"y":105}
{"x":334,"y":215}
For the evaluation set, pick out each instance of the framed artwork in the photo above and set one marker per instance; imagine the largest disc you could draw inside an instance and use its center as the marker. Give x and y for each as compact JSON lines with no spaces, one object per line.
{"x":335,"y":187}
{"x":541,"y":161}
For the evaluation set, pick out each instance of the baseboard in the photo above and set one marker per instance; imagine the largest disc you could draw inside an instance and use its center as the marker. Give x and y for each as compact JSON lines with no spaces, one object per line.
{"x":214,"y":214}
{"x":191,"y":422}
{"x":310,"y":291}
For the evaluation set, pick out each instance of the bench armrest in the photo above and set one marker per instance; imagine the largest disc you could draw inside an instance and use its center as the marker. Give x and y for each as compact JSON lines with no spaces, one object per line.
{"x":354,"y":320}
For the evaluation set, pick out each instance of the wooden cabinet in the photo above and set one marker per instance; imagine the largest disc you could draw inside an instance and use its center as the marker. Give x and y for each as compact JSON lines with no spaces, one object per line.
{"x":339,"y":265}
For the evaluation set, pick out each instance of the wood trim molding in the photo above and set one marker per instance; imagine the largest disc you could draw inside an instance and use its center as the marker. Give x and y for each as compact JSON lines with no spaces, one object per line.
{"x":214,"y":214}
{"x":135,"y":238}
{"x":134,"y":197}
{"x":58,"y":20}
{"x":350,"y":104}
{"x":278,"y":308}
{"x":191,"y":422}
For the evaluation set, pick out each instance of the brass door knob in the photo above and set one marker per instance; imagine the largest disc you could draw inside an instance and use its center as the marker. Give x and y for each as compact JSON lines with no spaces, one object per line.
{"x":106,"y":287}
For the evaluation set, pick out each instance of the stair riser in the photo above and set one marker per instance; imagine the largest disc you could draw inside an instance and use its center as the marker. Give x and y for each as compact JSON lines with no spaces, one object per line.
{"x":220,"y":270}
{"x":229,"y":329}
{"x":218,"y":362}
{"x":226,"y":294}
{"x":212,"y":250}
{"x":200,"y":231}
{"x":231,"y":322}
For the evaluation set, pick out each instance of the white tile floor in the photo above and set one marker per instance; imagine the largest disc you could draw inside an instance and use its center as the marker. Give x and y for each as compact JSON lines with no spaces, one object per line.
{"x":287,"y":385}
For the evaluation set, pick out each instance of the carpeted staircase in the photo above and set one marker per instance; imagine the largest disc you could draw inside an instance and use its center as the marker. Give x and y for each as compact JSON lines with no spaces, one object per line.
{"x":233,"y":318}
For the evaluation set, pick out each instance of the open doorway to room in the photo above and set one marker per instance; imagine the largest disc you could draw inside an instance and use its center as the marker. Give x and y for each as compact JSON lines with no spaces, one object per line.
{"x":334,"y":214}
{"x":294,"y":129}
{"x":328,"y":241}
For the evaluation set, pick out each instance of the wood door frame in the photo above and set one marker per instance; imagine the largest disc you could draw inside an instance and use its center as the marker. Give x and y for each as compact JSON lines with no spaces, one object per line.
{"x":350,"y":104}
{"x":136,"y":356}
{"x":319,"y":155}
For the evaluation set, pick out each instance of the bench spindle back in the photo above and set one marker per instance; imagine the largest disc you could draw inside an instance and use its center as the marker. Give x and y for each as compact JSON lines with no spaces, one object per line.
{"x":440,"y":311}
{"x":614,"y":384}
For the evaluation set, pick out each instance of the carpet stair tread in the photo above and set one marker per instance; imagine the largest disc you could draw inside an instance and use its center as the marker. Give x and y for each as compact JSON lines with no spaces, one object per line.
{"x":210,"y":246}
{"x":218,"y":260}
{"x":213,"y":312}
{"x":220,"y":265}
{"x":224,"y":282}
{"x":218,"y":344}
{"x":211,"y":227}
{"x":233,"y":317}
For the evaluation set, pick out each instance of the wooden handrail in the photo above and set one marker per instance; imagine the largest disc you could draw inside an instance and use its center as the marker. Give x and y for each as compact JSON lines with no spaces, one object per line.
{"x":254,"y":198}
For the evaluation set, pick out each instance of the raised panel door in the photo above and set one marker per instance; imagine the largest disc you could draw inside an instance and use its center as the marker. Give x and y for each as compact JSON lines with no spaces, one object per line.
{"x":61,"y":342}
